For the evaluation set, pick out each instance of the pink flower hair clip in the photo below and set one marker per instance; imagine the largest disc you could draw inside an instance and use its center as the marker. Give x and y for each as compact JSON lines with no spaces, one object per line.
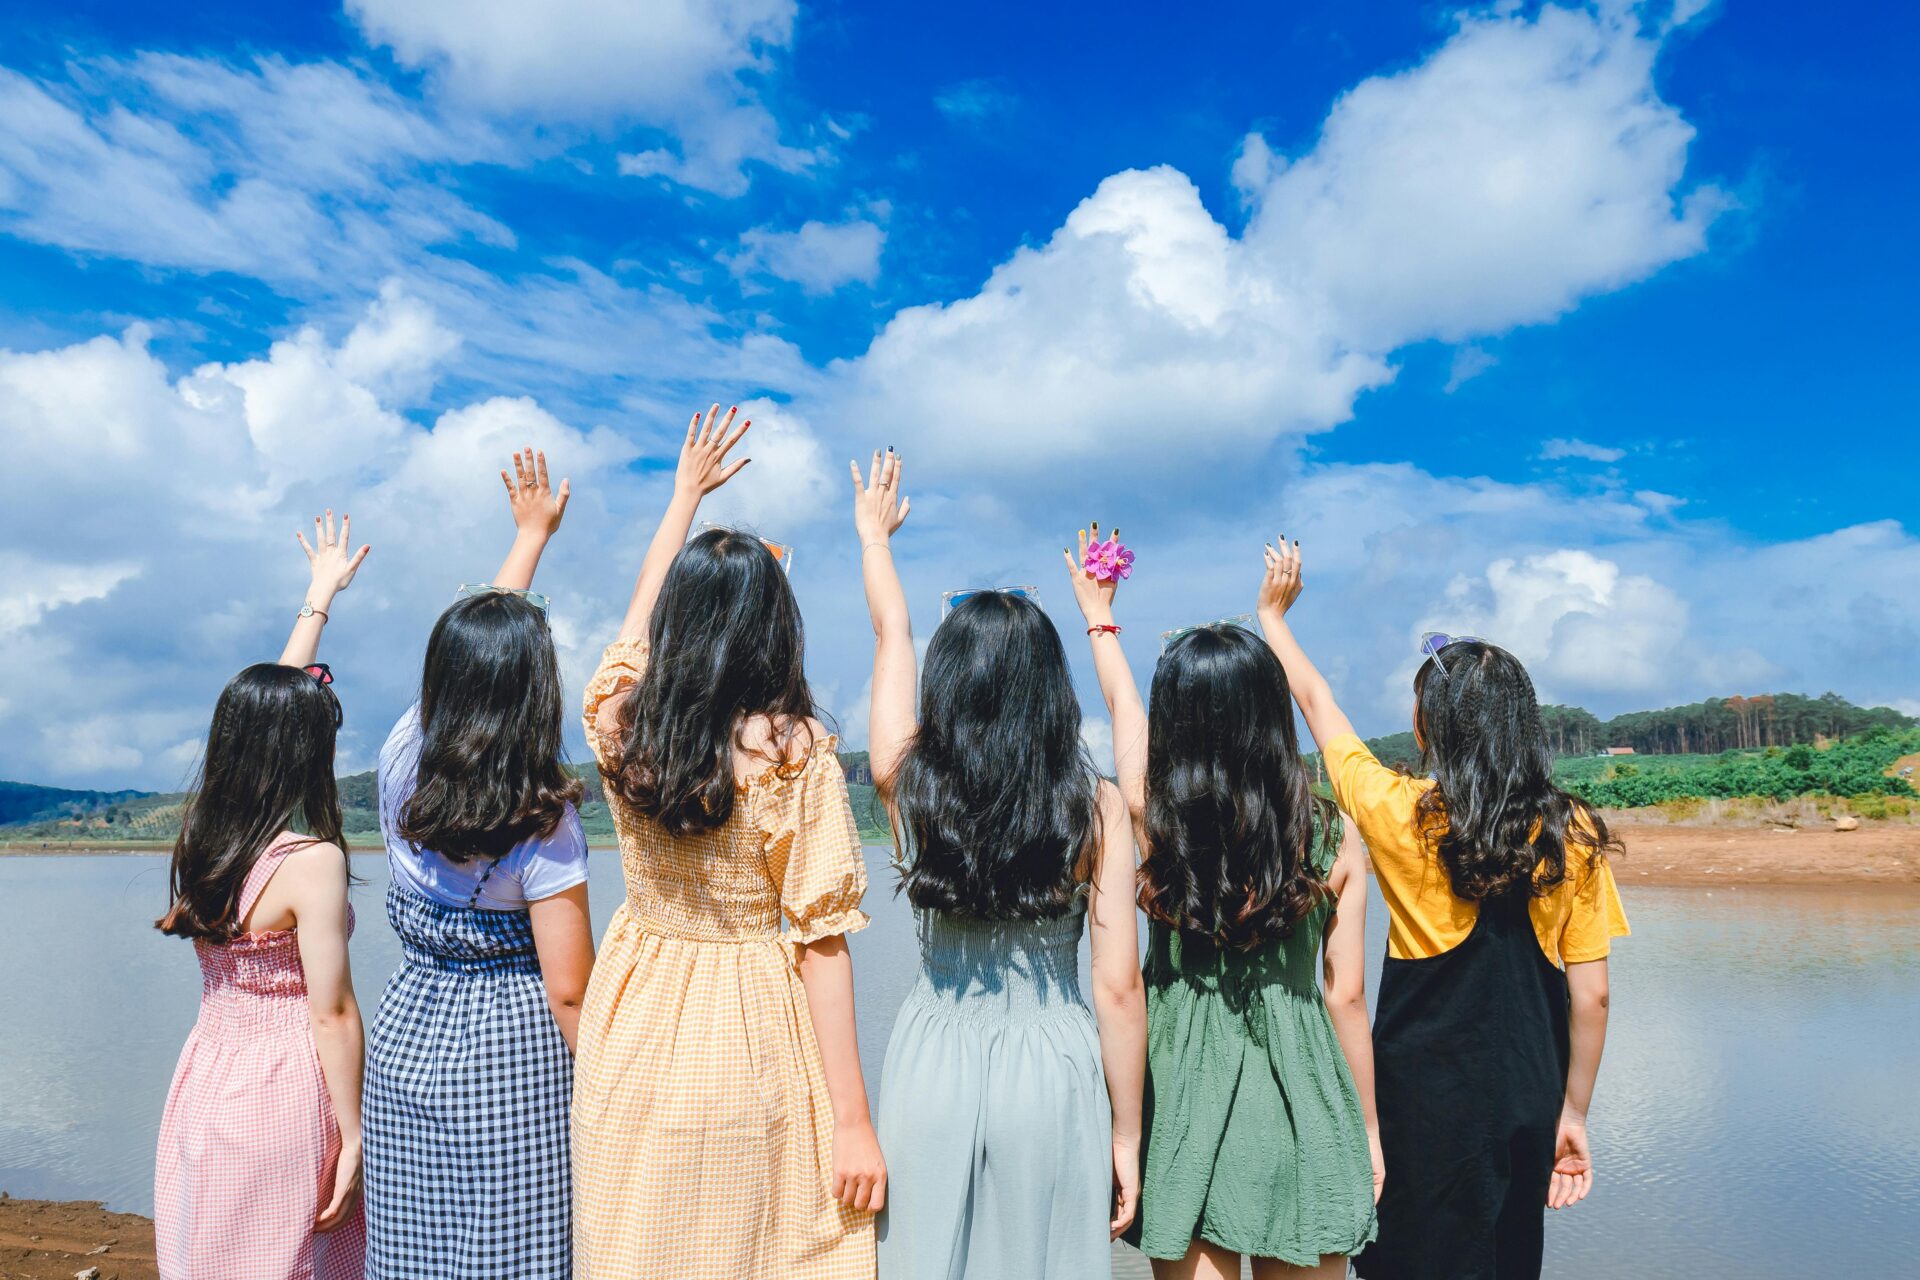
{"x":1108,"y":561}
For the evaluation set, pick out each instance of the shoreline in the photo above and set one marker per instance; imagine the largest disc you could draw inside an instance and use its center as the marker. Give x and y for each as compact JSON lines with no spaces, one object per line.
{"x":61,"y":1239}
{"x":1883,"y":854}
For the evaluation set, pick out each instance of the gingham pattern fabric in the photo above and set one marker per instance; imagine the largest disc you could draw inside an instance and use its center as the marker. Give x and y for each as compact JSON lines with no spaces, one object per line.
{"x":467,"y":1092}
{"x":702,"y":1131}
{"x":248,"y":1143}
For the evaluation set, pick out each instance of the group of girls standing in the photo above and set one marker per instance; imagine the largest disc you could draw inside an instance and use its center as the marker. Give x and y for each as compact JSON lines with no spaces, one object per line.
{"x":689,"y":1101}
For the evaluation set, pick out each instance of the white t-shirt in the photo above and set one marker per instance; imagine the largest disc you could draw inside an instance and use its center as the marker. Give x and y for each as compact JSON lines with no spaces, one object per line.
{"x":533,"y":869}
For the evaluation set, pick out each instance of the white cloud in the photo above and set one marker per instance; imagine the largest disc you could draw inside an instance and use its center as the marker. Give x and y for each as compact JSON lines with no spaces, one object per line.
{"x":1562,"y":448}
{"x":397,"y":350}
{"x":819,"y":257}
{"x":677,"y":65}
{"x":1661,"y":504}
{"x":30,"y":587}
{"x":1468,"y":363}
{"x":973,"y":102}
{"x":1527,"y":163}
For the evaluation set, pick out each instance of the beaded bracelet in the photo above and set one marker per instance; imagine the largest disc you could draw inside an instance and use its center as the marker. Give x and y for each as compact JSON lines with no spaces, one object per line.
{"x":1106,"y":627}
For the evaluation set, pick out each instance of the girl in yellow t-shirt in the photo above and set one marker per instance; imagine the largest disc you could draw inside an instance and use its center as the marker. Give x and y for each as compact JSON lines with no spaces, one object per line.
{"x":1493,"y":998}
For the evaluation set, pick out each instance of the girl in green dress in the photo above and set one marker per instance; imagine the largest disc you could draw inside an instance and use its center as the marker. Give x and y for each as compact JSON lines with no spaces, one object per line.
{"x":1260,"y":1136}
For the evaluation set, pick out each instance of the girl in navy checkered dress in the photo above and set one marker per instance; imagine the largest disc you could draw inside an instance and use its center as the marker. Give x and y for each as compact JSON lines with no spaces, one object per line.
{"x":470,"y":1061}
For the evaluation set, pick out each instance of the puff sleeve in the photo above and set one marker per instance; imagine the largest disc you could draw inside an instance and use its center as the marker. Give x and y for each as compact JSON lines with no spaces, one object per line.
{"x":621,"y":666}
{"x":812,"y":845}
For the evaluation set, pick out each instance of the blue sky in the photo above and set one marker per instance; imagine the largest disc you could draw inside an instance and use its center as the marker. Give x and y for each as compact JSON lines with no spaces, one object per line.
{"x":1584,"y":328}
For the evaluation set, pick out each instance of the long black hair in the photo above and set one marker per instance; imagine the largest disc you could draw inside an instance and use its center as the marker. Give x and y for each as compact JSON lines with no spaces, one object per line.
{"x":1499,"y":824}
{"x":492,"y":769}
{"x":268,"y":764}
{"x":995,"y":797}
{"x":1232,"y":822}
{"x":727,"y":645}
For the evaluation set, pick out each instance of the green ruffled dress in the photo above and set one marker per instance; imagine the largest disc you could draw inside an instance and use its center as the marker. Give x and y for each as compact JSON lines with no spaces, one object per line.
{"x":1254,"y":1138}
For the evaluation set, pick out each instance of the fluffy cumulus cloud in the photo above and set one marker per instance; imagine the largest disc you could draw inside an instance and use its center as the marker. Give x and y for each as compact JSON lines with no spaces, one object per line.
{"x":205,"y":477}
{"x":288,"y":172}
{"x":818,"y":256}
{"x":1528,"y":163}
{"x":682,"y":66}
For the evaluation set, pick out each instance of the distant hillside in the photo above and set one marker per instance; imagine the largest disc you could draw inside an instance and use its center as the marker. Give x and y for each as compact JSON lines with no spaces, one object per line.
{"x":49,"y":813}
{"x":27,"y":802}
{"x":1699,"y":728}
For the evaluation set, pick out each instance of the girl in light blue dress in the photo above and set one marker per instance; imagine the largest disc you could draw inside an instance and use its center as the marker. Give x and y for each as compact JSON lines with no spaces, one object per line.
{"x":1009,"y":1109}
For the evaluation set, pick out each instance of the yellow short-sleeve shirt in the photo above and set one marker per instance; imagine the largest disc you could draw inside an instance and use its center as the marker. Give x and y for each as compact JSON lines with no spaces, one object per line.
{"x":1575,"y":922}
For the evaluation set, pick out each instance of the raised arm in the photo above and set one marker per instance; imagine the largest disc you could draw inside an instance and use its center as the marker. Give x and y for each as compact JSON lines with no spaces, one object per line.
{"x":703,"y":468}
{"x":1280,"y":586}
{"x":878,"y":511}
{"x":1129,"y":714}
{"x":537,"y":512}
{"x":333,"y":563}
{"x":1119,"y":998}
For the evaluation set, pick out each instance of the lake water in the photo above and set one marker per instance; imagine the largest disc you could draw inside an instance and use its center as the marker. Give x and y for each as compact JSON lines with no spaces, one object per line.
{"x":1756,"y":1114}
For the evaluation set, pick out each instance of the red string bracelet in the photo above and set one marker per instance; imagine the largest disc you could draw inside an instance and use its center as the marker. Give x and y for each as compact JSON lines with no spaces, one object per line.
{"x":1107,"y":627}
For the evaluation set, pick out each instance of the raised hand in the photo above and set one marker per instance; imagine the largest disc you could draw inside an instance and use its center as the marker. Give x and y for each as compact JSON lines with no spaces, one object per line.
{"x":1093,"y":595}
{"x":703,"y":456}
{"x":330,"y":557}
{"x":878,"y":508}
{"x":1281,"y":583}
{"x":537,"y":507}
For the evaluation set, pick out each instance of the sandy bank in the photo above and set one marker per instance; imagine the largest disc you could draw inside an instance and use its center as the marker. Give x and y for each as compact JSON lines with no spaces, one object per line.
{"x":55,"y":1240}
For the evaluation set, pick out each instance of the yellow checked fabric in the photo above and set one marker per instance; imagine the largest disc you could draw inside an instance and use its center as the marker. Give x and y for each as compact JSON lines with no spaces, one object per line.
{"x":1574,"y":923}
{"x":702,"y":1130}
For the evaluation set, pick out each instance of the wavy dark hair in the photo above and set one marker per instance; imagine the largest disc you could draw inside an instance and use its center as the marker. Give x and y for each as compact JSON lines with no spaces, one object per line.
{"x":726,"y":645}
{"x":492,"y":768}
{"x":1499,"y":824}
{"x":1232,"y":822}
{"x":268,"y":766}
{"x":996,"y":797}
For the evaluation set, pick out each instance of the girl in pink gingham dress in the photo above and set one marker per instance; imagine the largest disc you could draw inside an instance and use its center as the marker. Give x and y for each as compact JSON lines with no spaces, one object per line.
{"x":258,"y":1171}
{"x":249,"y":1143}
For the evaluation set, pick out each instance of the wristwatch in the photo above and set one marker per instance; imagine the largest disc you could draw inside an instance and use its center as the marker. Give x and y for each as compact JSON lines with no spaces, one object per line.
{"x":307,"y":610}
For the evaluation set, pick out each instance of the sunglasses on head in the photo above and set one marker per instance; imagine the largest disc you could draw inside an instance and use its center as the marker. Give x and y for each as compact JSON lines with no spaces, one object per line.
{"x":781,"y":552}
{"x":322,"y":673}
{"x":534,"y":598}
{"x":1242,"y":620}
{"x":951,"y":600}
{"x":1434,"y":641}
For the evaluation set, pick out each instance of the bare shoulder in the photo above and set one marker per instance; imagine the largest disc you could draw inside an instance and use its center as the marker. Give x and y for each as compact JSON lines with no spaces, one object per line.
{"x":315,"y":865}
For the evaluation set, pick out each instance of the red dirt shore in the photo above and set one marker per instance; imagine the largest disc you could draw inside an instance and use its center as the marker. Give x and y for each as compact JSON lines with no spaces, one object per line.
{"x":1671,"y":854}
{"x":49,"y":1240}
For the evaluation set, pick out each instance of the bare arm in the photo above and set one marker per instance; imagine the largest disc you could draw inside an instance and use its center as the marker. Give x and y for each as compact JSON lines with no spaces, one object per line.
{"x":1280,"y":586}
{"x":1119,"y":998}
{"x":1343,"y":970}
{"x":563,"y":941}
{"x":1587,"y":1036}
{"x":703,"y":468}
{"x":332,"y":563}
{"x":859,"y":1170}
{"x":878,"y":512}
{"x":537,"y":512}
{"x":1117,"y":685}
{"x":316,"y":881}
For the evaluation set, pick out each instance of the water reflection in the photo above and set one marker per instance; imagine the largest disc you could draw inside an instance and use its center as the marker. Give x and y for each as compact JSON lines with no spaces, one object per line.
{"x":1754,"y":1117}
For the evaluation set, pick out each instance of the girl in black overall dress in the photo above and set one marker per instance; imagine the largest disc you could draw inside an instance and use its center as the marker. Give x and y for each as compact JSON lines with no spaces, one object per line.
{"x":1493,"y":998}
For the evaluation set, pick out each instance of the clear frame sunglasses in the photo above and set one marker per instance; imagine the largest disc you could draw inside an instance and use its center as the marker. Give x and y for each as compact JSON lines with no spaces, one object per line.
{"x":1244,"y":621}
{"x":951,"y":600}
{"x":1434,"y":641}
{"x":534,"y":598}
{"x":781,"y":552}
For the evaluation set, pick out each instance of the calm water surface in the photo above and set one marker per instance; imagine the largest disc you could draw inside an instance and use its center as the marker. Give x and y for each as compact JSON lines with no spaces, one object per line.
{"x":1755,"y":1116}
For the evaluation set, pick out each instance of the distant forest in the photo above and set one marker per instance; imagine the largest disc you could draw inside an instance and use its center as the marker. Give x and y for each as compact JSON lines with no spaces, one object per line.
{"x":31,"y":812}
{"x":1699,"y":728}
